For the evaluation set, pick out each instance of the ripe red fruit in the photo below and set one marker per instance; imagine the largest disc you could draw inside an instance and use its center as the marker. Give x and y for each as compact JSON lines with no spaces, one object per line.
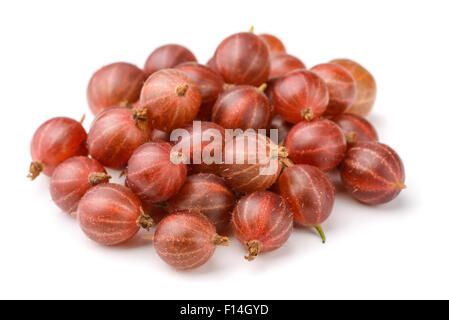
{"x":53,"y":142}
{"x":320,"y":143}
{"x":209,"y":83}
{"x":171,"y":99}
{"x":282,"y":126}
{"x":372,"y":173}
{"x":366,"y":87}
{"x":309,"y":194}
{"x":157,"y":211}
{"x":203,"y":138}
{"x":341,"y":86}
{"x":207,"y":194}
{"x":242,"y":107}
{"x":300,"y":95}
{"x":158,"y":135}
{"x":186,"y":240}
{"x":111,"y":214}
{"x":261,"y":222}
{"x":243,"y":58}
{"x":211,"y":64}
{"x":115,"y":134}
{"x":283,"y":63}
{"x":114,"y":85}
{"x":167,"y":56}
{"x":274,"y":45}
{"x":152,"y":175}
{"x":246,"y":168}
{"x":269,"y":91}
{"x":72,"y":178}
{"x":355,"y":128}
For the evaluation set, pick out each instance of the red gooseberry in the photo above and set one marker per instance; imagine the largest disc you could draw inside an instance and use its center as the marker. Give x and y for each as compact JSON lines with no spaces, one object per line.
{"x":243,"y":58}
{"x":262,"y":222}
{"x":202,"y":140}
{"x":154,"y":172}
{"x":171,"y":99}
{"x":309,"y":194}
{"x":341,"y":86}
{"x":117,"y":84}
{"x":72,"y":178}
{"x":111,"y":214}
{"x":320,"y":143}
{"x":300,"y":95}
{"x":158,"y":135}
{"x":53,"y":142}
{"x":283,"y":63}
{"x":167,"y":56}
{"x":209,"y":83}
{"x":157,"y":211}
{"x":273,"y":43}
{"x":206,"y":193}
{"x":282,"y":127}
{"x":366,"y":86}
{"x":186,"y":240}
{"x":211,"y":64}
{"x":115,"y":134}
{"x":372,"y":172}
{"x":355,"y":128}
{"x":250,"y":162}
{"x":242,"y":107}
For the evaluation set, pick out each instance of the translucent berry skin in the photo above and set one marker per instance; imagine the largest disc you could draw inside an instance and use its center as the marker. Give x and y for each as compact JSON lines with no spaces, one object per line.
{"x":211,"y":64}
{"x":282,"y":126}
{"x":262,"y":217}
{"x":70,"y":181}
{"x":341,"y":86}
{"x":151,"y":175}
{"x":320,"y":143}
{"x":242,"y":107}
{"x":167,"y":56}
{"x":243,"y":58}
{"x":171,"y":99}
{"x":117,"y":84}
{"x":355,"y":128}
{"x":372,"y":173}
{"x":300,"y":95}
{"x":209,"y":83}
{"x":208,"y":194}
{"x":185,"y":240}
{"x":283,"y":63}
{"x":246,"y":177}
{"x":114,"y":135}
{"x":273,"y":43}
{"x":366,"y":87}
{"x":108,"y":214}
{"x":308,"y":192}
{"x":54,"y":141}
{"x":210,"y":139}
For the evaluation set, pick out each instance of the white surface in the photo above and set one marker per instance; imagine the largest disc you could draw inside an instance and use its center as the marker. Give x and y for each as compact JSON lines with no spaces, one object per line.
{"x":49,"y":49}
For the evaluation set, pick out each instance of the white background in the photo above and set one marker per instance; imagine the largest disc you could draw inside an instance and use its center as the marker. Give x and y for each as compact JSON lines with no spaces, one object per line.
{"x":49,"y":49}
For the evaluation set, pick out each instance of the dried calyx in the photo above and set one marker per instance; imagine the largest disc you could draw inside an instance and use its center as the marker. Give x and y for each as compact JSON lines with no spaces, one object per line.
{"x":307,"y":114}
{"x":144,"y":221}
{"x":98,"y":177}
{"x":218,"y":240}
{"x":140,"y":118}
{"x":181,"y":90}
{"x":36,"y":167}
{"x":254,"y":248}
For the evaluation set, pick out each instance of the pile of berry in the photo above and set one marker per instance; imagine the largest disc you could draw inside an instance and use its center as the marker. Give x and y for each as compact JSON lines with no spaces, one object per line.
{"x":250,"y":83}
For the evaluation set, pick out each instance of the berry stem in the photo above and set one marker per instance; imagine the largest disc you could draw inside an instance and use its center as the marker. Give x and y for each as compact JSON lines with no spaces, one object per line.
{"x":400,"y":185}
{"x":351,"y":137}
{"x":251,"y":29}
{"x":218,"y":240}
{"x":144,"y":221}
{"x":36,"y":167}
{"x":83,"y":118}
{"x":228,"y":86}
{"x":98,"y":177}
{"x":262,"y":87}
{"x":254,"y":247}
{"x":321,"y":232}
{"x":181,"y":90}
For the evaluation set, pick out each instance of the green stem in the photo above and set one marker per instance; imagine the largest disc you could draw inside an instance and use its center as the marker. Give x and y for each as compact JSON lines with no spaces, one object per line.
{"x":321,"y":232}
